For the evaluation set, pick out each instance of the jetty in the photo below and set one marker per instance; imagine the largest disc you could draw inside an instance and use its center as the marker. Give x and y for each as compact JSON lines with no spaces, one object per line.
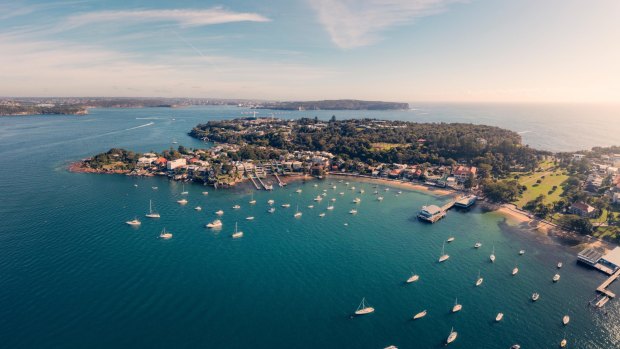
{"x":253,"y":181}
{"x":279,"y":181}
{"x":434,"y":213}
{"x":265,"y":186}
{"x":603,"y":287}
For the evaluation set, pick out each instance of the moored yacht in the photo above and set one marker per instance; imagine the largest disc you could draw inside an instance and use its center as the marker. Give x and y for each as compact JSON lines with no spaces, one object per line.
{"x":477,"y":245}
{"x":363,"y":308}
{"x":492,"y":256}
{"x":205,"y":193}
{"x":479,"y":280}
{"x":318,"y":198}
{"x":413,"y":278}
{"x":353,"y":211}
{"x":535,"y":296}
{"x":357,"y":200}
{"x":380,"y":198}
{"x":237,"y":234}
{"x":252,"y":201}
{"x":297,"y":212}
{"x":165,"y":234}
{"x":515,"y":270}
{"x":236,"y":207}
{"x":457,"y":307}
{"x":565,"y":320}
{"x":182,"y":202}
{"x":559,"y":265}
{"x":270,"y":202}
{"x":556,"y":278}
{"x":499,"y":317}
{"x":330,"y":207}
{"x":521,"y":252}
{"x":271,"y":210}
{"x":198,"y":208}
{"x":184,"y":192}
{"x":450,"y":239}
{"x":134,"y":222}
{"x":419,"y":315}
{"x":215,"y":224}
{"x":322,"y":214}
{"x":286,"y":205}
{"x":563,"y":343}
{"x":250,"y":218}
{"x":219,"y":212}
{"x":444,"y":256}
{"x":452,"y":336}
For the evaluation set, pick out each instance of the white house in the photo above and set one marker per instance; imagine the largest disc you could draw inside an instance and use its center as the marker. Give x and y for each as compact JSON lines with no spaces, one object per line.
{"x":172,"y":164}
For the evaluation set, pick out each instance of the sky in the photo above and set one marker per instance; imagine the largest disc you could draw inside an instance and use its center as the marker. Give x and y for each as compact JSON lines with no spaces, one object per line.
{"x":393,"y":50}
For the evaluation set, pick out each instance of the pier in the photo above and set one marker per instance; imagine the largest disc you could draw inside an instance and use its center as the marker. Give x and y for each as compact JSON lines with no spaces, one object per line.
{"x":253,"y":182}
{"x":603,"y":287}
{"x":265,"y":186}
{"x":279,"y":181}
{"x":434,"y":213}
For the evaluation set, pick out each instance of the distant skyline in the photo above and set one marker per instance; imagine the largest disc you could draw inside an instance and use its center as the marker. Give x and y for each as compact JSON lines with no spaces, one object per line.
{"x":393,"y":50}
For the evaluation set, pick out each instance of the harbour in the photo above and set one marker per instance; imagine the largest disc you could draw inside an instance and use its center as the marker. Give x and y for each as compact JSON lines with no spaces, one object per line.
{"x":100,"y":264}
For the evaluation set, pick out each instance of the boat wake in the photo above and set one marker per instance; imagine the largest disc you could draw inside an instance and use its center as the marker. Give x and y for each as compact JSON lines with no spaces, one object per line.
{"x":133,"y":128}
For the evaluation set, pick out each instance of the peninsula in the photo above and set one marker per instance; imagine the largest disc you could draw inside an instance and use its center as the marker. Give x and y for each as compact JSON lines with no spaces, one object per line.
{"x":338,"y":104}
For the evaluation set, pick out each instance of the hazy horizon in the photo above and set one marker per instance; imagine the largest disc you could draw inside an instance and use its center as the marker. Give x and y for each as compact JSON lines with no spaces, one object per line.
{"x":427,"y":51}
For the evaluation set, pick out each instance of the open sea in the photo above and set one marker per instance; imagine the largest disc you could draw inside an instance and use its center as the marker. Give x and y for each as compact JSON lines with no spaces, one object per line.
{"x":74,"y":275}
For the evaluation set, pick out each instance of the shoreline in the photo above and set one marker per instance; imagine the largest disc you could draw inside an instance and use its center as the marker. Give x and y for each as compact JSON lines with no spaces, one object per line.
{"x":527,"y":221}
{"x":399,"y":184}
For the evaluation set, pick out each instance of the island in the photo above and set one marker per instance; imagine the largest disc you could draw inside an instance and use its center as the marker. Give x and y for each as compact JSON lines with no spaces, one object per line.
{"x":337,"y":104}
{"x":574,"y":192}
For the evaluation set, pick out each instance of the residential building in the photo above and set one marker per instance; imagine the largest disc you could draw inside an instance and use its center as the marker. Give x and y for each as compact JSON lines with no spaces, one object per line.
{"x":582,"y":209}
{"x":172,"y":164}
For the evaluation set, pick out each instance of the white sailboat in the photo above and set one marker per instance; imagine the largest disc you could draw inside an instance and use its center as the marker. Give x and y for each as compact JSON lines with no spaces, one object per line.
{"x":452,"y":336}
{"x":297,"y":212}
{"x":559,"y":265}
{"x":478,"y":245}
{"x":413,"y":278}
{"x":270,"y":202}
{"x":499,"y":317}
{"x":492,"y":256}
{"x":419,"y":315}
{"x":380,"y":198}
{"x":134,"y":222}
{"x":318,"y":198}
{"x":556,"y":278}
{"x":184,"y":192}
{"x":151,"y":213}
{"x":479,"y":280}
{"x":198,"y":208}
{"x":357,"y":200}
{"x":237,"y":234}
{"x":521,"y":252}
{"x":444,"y":256}
{"x":535,"y":296}
{"x":219,"y":212}
{"x":565,"y":320}
{"x":250,"y":218}
{"x":252,"y":201}
{"x":236,"y":207}
{"x":286,"y":205}
{"x":182,"y":202}
{"x":353,"y":211}
{"x":457,"y":307}
{"x":515,"y":270}
{"x":330,"y":207}
{"x":215,"y":224}
{"x":363,"y":308}
{"x":165,"y":234}
{"x":271,"y":210}
{"x":450,"y":239}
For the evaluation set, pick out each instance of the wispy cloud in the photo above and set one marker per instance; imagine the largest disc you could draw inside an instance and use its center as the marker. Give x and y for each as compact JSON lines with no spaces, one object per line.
{"x":355,"y":23}
{"x":184,"y":17}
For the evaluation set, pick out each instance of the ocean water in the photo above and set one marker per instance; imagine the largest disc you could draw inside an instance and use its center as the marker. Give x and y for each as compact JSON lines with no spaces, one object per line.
{"x":73,"y":275}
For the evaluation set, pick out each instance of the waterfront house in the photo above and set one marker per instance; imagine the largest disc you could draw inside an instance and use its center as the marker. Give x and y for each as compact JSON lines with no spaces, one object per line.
{"x":431,"y":213}
{"x":462,"y":173}
{"x":173,"y":164}
{"x":582,"y":209}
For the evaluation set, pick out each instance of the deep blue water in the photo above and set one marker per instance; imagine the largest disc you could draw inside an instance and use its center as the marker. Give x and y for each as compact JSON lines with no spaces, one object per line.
{"x":73,"y":275}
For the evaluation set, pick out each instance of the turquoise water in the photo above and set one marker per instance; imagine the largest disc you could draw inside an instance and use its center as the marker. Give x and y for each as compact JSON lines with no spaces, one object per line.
{"x":73,"y":275}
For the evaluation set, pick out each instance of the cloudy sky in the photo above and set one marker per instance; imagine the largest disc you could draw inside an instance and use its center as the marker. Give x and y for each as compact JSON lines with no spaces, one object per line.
{"x":397,"y":50}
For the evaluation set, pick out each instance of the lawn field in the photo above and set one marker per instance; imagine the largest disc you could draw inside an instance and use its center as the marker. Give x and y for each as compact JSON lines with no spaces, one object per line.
{"x":549,"y":178}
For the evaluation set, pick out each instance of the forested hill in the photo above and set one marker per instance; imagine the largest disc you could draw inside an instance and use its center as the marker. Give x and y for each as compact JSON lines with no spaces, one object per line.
{"x":338,"y":104}
{"x":373,"y":141}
